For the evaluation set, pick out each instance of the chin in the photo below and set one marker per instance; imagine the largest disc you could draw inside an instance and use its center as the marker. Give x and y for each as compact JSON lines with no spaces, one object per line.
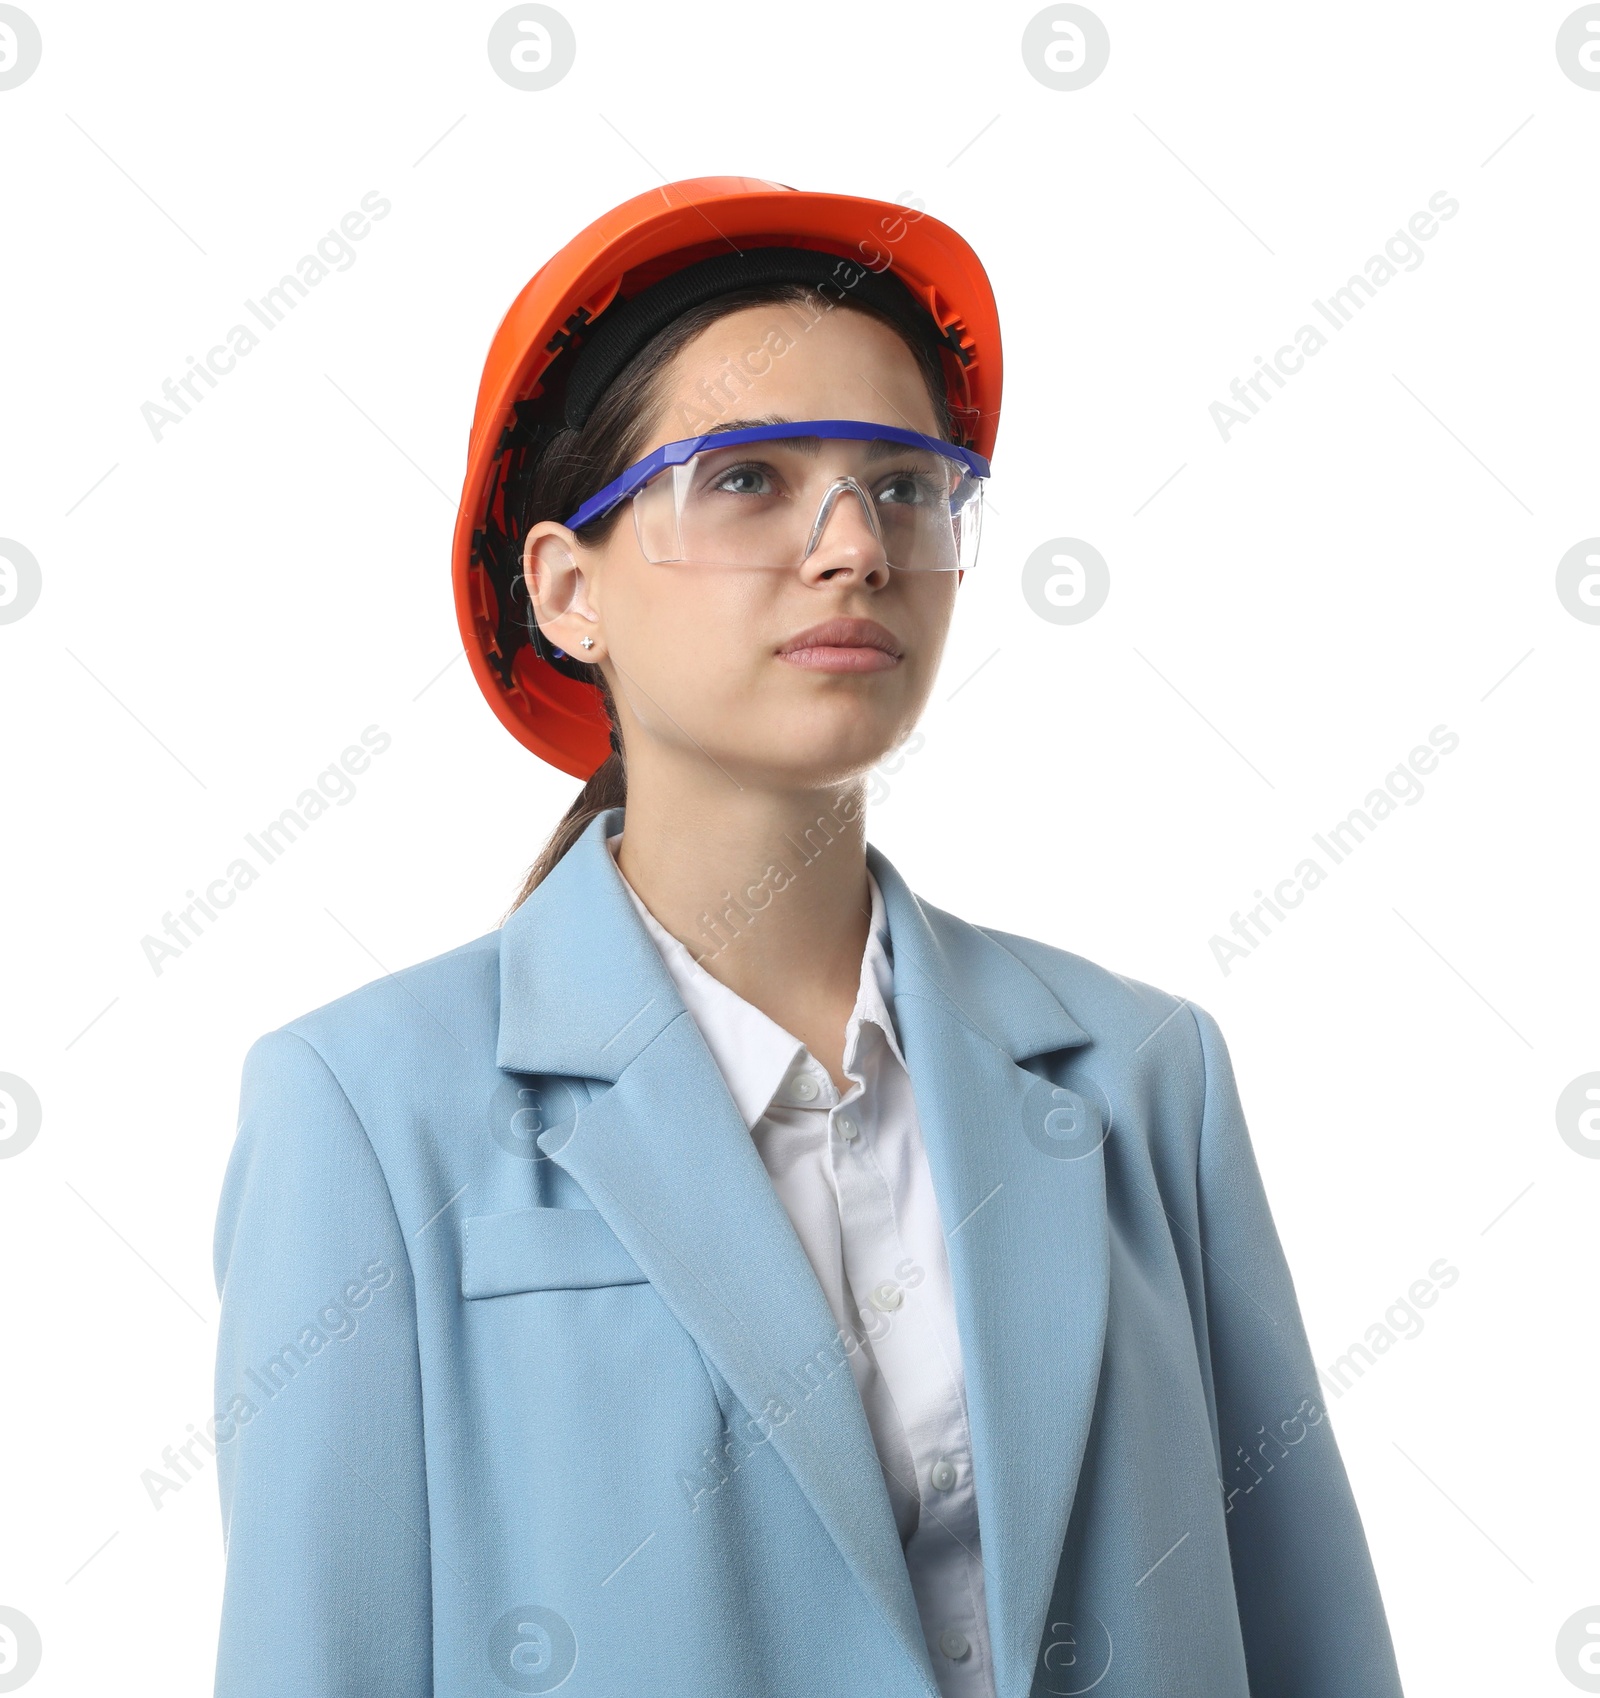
{"x":817,"y":763}
{"x":812,"y":745}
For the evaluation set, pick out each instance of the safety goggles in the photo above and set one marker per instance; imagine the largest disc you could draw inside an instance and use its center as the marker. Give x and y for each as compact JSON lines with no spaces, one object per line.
{"x":763,"y":496}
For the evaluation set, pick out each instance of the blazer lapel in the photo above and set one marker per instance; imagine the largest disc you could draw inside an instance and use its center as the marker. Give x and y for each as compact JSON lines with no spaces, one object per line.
{"x":667,"y":1160}
{"x":1018,"y":1169}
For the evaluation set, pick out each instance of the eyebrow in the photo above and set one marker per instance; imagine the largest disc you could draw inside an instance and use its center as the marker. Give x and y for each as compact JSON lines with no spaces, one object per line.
{"x":877,"y":448}
{"x":754,"y":424}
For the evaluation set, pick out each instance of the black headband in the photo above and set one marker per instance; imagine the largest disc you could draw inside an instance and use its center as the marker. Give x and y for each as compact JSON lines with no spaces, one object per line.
{"x":627,"y":326}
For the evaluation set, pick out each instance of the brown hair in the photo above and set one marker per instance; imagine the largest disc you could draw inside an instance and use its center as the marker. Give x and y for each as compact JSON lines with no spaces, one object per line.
{"x":575,"y":463}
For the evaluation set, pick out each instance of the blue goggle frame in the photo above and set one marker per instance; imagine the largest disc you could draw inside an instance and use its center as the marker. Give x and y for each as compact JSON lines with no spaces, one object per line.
{"x":677,"y":453}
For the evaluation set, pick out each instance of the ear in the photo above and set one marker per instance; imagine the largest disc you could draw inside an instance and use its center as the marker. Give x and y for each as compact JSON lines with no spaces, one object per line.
{"x":558,"y":589}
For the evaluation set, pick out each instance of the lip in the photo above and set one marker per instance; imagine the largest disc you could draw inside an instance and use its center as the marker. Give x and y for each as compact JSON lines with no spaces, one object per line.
{"x":843,"y":645}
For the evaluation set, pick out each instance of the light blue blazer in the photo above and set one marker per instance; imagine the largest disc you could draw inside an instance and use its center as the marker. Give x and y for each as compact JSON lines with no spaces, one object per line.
{"x":525,"y":1382}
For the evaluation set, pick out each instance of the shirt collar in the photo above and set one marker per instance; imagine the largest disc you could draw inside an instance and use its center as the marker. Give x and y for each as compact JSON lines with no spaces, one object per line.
{"x":752,"y":1051}
{"x":875,"y":999}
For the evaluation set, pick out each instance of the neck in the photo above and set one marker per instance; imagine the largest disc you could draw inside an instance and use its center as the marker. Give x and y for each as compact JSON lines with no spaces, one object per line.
{"x":766,"y":888}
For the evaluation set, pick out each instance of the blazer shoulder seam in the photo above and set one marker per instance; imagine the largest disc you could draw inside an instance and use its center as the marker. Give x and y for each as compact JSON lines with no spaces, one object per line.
{"x":289,"y":1031}
{"x":1205,"y":1087}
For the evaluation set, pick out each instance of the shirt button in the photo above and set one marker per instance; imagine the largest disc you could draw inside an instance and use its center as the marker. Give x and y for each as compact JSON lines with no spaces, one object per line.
{"x":805,"y":1087}
{"x":888,"y":1297}
{"x":954,"y":1643}
{"x":847,"y":1128}
{"x":943,"y":1475}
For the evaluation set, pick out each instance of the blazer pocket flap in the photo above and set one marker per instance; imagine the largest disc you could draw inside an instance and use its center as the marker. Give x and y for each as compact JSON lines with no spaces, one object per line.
{"x":542,"y":1250}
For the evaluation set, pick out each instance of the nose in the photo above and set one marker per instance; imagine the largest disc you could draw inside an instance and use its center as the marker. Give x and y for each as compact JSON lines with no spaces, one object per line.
{"x":845,"y":533}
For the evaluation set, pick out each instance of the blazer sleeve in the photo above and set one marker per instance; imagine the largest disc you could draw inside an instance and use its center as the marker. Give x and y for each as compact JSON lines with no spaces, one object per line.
{"x":318,"y":1399}
{"x":1309,"y":1606}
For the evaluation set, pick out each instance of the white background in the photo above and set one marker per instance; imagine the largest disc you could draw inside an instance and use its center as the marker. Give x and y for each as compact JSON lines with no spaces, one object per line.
{"x":224,"y":610}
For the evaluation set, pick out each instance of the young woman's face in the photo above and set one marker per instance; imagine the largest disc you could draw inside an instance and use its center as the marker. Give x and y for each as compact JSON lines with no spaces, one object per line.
{"x":695,"y":653}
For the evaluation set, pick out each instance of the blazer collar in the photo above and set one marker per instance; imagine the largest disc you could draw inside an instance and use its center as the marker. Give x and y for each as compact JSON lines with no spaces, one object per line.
{"x":666,"y":1158}
{"x":583,"y":989}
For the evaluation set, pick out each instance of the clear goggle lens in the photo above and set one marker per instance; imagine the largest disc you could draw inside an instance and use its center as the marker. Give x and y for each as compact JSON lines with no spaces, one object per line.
{"x":773,"y":504}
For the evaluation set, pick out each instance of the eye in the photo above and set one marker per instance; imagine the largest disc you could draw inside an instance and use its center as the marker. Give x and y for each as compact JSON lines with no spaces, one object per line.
{"x":913,"y":489}
{"x":747,"y":478}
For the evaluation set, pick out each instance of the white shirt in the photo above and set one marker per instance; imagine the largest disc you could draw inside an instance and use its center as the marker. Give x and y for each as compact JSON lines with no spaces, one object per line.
{"x":852,"y":1174}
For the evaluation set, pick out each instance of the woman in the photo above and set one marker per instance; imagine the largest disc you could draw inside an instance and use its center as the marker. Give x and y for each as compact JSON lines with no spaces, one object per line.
{"x":733,"y":1275}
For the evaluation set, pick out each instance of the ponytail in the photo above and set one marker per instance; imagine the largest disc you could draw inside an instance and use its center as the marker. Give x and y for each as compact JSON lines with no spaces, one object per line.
{"x":607,"y":788}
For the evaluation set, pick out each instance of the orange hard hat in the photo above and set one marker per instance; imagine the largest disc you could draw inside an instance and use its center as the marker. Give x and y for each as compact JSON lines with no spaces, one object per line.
{"x":560,"y":314}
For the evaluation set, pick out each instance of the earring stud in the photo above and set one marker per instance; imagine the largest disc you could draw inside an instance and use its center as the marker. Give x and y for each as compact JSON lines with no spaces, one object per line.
{"x":588,"y":643}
